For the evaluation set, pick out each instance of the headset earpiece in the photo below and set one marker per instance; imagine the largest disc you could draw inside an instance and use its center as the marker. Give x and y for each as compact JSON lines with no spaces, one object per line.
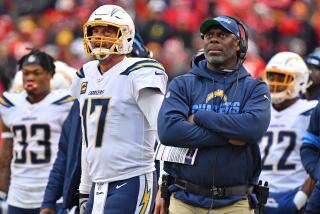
{"x":243,"y":42}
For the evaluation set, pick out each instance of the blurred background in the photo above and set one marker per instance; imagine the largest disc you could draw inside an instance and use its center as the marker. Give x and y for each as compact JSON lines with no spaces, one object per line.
{"x":170,"y":29}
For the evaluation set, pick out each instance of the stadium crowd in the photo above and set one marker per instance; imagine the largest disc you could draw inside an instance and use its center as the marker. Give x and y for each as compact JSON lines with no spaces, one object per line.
{"x":169,"y":28}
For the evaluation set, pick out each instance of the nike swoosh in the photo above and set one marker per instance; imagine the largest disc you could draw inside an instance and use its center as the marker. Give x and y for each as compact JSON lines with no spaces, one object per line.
{"x":265,"y":96}
{"x":158,"y":73}
{"x":119,"y":186}
{"x":99,"y":193}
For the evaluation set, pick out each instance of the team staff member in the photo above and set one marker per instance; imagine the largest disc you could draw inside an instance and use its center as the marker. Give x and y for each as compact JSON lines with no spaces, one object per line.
{"x":223,"y":111}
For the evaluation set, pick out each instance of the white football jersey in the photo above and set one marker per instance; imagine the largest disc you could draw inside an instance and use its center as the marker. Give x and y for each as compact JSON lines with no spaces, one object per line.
{"x":280,"y":147}
{"x":36,"y":131}
{"x":119,"y":139}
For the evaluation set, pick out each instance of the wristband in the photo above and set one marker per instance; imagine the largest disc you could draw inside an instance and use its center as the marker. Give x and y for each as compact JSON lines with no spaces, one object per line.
{"x":300,"y":199}
{"x":5,"y":135}
{"x":3,"y":195}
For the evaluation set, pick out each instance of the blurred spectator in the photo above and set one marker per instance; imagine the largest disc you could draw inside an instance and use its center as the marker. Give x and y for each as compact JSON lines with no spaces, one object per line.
{"x":7,"y":68}
{"x":174,"y":58}
{"x":32,"y":6}
{"x":254,"y":63}
{"x":156,"y":29}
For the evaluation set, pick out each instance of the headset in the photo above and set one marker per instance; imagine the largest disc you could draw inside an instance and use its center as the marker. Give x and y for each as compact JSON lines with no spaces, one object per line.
{"x":242,"y":41}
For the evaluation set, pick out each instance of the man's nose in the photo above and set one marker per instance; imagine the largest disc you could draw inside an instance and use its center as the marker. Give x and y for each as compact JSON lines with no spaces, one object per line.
{"x":30,"y":77}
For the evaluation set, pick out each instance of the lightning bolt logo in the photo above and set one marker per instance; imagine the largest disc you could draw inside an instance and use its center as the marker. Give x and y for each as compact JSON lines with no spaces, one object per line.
{"x":145,"y":198}
{"x":217,"y":93}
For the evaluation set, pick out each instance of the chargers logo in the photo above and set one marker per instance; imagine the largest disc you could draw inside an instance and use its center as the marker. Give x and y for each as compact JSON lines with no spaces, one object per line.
{"x":217,"y":93}
{"x":223,"y":19}
{"x":83,"y":87}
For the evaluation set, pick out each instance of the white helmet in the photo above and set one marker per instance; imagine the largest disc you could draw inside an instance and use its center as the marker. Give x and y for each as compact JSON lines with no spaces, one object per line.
{"x":109,"y":15}
{"x":287,"y":76}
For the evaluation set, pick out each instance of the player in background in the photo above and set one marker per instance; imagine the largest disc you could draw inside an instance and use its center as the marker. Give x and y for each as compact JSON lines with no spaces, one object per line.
{"x":313,"y":62}
{"x":310,"y":154}
{"x":119,"y":102}
{"x":287,"y":77}
{"x":31,"y":123}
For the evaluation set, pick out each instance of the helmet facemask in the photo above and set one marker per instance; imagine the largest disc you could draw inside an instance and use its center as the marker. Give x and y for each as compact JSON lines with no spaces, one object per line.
{"x":103,"y":46}
{"x":281,"y":85}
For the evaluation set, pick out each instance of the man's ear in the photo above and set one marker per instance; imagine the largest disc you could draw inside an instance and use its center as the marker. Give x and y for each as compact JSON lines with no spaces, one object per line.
{"x":238,"y":44}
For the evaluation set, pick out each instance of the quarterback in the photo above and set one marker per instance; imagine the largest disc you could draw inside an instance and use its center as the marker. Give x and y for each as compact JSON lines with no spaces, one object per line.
{"x":119,"y":102}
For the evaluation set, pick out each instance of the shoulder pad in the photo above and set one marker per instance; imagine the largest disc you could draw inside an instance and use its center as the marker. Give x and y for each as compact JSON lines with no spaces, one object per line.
{"x":6,"y":102}
{"x":143,"y":64}
{"x":63,"y":100}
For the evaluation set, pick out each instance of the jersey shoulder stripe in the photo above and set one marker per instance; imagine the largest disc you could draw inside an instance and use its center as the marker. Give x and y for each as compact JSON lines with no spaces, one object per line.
{"x":307,"y":113}
{"x":80,"y":73}
{"x":6,"y":102}
{"x":306,"y":107}
{"x":63,"y":100}
{"x":143,"y":64}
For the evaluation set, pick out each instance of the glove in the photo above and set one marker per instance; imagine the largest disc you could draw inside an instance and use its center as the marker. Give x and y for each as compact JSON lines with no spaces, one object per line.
{"x":83,"y":199}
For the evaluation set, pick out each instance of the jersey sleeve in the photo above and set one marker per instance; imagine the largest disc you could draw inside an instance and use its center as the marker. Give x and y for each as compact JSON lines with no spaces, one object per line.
{"x":76,"y":86}
{"x":5,"y":105}
{"x":149,"y":77}
{"x":63,"y":102}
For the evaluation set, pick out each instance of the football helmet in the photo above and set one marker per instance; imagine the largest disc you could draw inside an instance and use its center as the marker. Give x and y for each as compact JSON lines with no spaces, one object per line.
{"x":109,"y":15}
{"x":287,"y":76}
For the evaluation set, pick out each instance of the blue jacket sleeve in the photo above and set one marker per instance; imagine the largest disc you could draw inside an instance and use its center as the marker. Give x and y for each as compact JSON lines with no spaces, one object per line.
{"x":173,"y":127}
{"x":310,"y":149}
{"x":54,"y":187}
{"x":248,"y":126}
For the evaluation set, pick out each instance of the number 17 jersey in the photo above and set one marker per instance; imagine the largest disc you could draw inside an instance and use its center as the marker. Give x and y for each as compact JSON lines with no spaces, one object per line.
{"x":118,"y":138}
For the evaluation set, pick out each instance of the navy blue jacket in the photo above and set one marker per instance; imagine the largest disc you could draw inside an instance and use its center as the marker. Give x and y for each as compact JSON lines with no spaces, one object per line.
{"x":310,"y":156}
{"x":225,"y":106}
{"x":65,"y":175}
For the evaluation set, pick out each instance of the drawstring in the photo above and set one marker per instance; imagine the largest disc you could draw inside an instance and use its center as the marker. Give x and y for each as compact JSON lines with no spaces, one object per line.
{"x":234,"y":93}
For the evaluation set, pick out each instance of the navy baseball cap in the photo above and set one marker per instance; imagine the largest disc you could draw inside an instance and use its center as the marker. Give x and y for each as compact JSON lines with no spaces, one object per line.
{"x":223,"y":21}
{"x":313,"y":59}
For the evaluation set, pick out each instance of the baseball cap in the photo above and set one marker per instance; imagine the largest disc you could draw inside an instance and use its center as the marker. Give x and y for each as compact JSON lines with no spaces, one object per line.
{"x":313,"y":59}
{"x":227,"y":23}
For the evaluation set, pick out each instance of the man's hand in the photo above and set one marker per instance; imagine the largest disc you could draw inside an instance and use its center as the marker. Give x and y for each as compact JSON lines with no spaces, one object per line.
{"x":308,"y":186}
{"x":47,"y":211}
{"x":190,"y":119}
{"x":159,"y":206}
{"x":237,"y":142}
